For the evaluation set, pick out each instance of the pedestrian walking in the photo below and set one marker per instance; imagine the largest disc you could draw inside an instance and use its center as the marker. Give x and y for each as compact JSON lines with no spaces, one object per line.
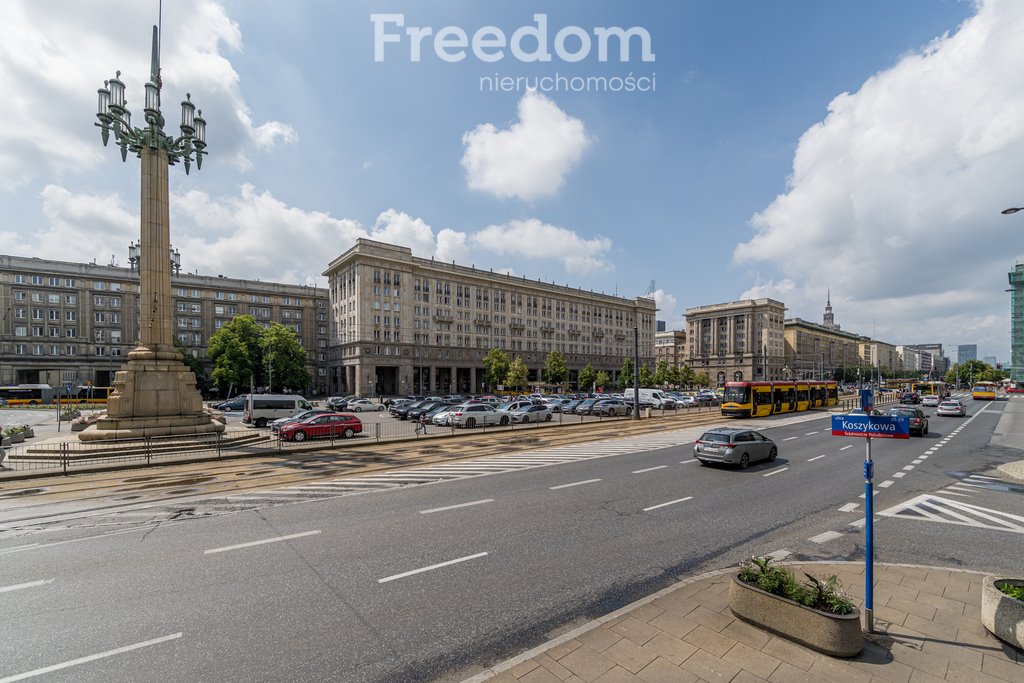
{"x":421,"y":426}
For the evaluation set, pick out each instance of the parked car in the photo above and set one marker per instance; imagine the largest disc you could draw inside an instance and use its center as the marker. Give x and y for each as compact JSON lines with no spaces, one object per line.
{"x":402,"y":412}
{"x":910,"y":398}
{"x":479,"y":414}
{"x":734,"y":446}
{"x":918,"y":420}
{"x":420,"y":411}
{"x":584,"y":406}
{"x":685,"y":401}
{"x":610,"y":407}
{"x":362,"y":405}
{"x":442,"y":415}
{"x":263,"y":409}
{"x":534,"y":413}
{"x":275,"y":426}
{"x":951,"y":408}
{"x":338,"y":403}
{"x":325,"y":426}
{"x":930,"y":401}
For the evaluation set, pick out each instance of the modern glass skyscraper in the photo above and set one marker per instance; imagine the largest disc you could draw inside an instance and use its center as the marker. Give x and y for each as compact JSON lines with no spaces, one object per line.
{"x":966,"y":352}
{"x":1017,"y":322}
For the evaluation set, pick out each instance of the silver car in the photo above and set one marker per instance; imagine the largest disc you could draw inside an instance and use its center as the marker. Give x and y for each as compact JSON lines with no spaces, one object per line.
{"x":478,"y":414}
{"x":532,"y":413}
{"x":734,"y":446}
{"x":951,"y":408}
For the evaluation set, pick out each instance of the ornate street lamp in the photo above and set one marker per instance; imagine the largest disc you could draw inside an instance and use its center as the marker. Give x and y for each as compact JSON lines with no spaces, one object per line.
{"x":154,"y":393}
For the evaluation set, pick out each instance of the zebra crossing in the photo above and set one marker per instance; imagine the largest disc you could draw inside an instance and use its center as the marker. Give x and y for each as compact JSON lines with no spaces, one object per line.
{"x":461,"y":469}
{"x":934,"y":508}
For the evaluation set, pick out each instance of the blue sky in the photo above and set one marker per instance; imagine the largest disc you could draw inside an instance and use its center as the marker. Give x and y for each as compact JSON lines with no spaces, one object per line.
{"x":746,"y":171}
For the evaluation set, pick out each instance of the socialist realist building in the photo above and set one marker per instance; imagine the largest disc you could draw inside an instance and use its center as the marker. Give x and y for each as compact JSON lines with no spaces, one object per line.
{"x":408,"y":325}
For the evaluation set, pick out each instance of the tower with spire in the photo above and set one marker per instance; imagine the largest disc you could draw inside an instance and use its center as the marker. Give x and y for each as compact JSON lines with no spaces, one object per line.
{"x":829,"y":320}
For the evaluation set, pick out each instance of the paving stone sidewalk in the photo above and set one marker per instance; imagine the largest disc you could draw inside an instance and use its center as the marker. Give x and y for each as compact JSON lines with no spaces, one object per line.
{"x":927,"y":623}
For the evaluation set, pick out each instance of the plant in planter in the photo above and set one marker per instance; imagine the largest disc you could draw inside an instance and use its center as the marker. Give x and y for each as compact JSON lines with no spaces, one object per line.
{"x":15,"y":434}
{"x":28,"y":431}
{"x":1002,"y":609}
{"x":815,"y":613}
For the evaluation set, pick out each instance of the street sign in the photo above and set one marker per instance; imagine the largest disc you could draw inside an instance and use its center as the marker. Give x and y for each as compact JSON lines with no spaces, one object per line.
{"x":867,"y":400}
{"x":882,"y":427}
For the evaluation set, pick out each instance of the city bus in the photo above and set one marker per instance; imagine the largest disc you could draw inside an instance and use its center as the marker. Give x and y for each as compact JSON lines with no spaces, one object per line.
{"x":929,"y":388}
{"x":28,"y":394}
{"x":984,"y":391}
{"x":759,"y":399}
{"x":90,"y":394}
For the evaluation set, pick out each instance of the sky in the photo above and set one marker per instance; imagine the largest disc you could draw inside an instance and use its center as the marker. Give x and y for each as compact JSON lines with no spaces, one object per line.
{"x":724,"y":150}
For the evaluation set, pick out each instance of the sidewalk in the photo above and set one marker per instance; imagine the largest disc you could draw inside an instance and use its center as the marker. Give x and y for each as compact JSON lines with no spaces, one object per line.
{"x":927,"y":623}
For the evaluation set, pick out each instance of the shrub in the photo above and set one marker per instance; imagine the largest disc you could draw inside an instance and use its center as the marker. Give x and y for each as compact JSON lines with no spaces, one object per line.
{"x":1015,"y":592}
{"x":825,"y":595}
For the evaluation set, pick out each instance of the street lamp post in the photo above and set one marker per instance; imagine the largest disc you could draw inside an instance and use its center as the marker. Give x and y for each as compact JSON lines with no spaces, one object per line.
{"x":155,"y":393}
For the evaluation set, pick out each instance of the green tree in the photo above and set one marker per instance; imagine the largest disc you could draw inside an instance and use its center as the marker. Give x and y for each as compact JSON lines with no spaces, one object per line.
{"x":674,"y":376}
{"x":284,"y":358}
{"x":702,"y":379}
{"x":646,"y":376}
{"x":974,"y":370}
{"x":517,"y":373}
{"x":661,"y":373}
{"x":588,"y":378}
{"x":686,"y":377}
{"x":496,"y":366}
{"x":555,"y":369}
{"x":236,"y":353}
{"x":602,"y":379}
{"x":626,"y":373}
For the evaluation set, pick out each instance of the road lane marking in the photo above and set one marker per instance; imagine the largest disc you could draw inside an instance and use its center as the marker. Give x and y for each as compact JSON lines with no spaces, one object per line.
{"x":982,"y":476}
{"x":650,"y":469}
{"x":952,"y":492}
{"x":17,"y":548}
{"x":684,"y":462}
{"x":825,"y":537}
{"x":930,"y":451}
{"x":768,"y":474}
{"x":849,"y":507}
{"x":845,"y":447}
{"x":817,"y":457}
{"x":859,"y":522}
{"x":671,"y":502}
{"x":575,"y":483}
{"x":900,"y":475}
{"x":89,"y":658}
{"x":810,"y":433}
{"x":874,"y":492}
{"x":790,"y":438}
{"x":924,"y":457}
{"x":460,"y":505}
{"x":908,"y":467}
{"x":886,"y":484}
{"x":779,"y":555}
{"x":30,"y":584}
{"x":430,"y":568}
{"x":262,"y":542}
{"x":916,"y":462}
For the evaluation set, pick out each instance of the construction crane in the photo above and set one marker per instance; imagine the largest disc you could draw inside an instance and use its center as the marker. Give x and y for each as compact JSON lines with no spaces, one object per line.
{"x":651,"y":288}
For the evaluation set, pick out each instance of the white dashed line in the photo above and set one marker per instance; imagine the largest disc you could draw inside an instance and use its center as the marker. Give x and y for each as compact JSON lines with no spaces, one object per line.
{"x":686,"y":462}
{"x":916,"y":462}
{"x":650,"y":469}
{"x":671,"y":502}
{"x":817,"y":457}
{"x":769,"y":474}
{"x":886,"y":484}
{"x":89,"y":658}
{"x":790,"y":438}
{"x":575,"y":483}
{"x":849,"y":507}
{"x":825,"y":537}
{"x":20,"y":586}
{"x":900,"y":475}
{"x":454,"y":507}
{"x":810,"y":433}
{"x":263,"y":542}
{"x":430,"y":568}
{"x":845,"y":447}
{"x":908,"y":467}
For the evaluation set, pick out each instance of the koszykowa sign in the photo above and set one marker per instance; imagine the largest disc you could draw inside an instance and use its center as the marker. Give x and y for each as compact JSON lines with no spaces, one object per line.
{"x":880,"y":427}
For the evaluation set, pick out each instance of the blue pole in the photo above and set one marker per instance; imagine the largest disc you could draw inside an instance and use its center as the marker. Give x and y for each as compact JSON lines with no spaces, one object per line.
{"x":869,"y":541}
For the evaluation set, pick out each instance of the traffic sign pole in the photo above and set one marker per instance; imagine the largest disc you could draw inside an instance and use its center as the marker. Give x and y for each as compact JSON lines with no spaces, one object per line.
{"x":869,"y":540}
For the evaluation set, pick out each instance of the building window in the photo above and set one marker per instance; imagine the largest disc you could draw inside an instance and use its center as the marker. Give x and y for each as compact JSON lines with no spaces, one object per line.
{"x":99,"y":286}
{"x":70,"y":332}
{"x":70,"y":299}
{"x":37,"y":279}
{"x":68,"y":282}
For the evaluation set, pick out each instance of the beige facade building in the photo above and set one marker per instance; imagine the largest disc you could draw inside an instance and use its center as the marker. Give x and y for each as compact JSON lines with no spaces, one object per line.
{"x":75,"y":323}
{"x":816,"y":351}
{"x":670,"y":346}
{"x":409,"y":325}
{"x":737,"y":341}
{"x":880,"y":356}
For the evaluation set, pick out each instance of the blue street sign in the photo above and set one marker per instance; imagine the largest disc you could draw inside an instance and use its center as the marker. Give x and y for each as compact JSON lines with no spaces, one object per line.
{"x":867,"y":400}
{"x":882,"y":427}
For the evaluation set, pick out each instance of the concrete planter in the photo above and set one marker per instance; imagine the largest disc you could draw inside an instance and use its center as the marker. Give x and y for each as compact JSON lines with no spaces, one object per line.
{"x":5,"y":442}
{"x":77,"y":426}
{"x":28,"y":432}
{"x":837,"y":635}
{"x":17,"y":437}
{"x":1001,"y":615}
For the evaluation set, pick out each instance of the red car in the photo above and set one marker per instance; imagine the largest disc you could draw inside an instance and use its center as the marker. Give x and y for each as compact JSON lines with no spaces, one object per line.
{"x":322,"y":426}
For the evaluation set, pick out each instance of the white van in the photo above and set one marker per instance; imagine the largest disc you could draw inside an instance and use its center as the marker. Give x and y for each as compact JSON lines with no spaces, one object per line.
{"x":655,"y":397}
{"x":265,"y":408}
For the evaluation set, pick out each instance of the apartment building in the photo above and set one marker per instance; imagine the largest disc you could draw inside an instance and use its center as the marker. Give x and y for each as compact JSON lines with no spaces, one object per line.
{"x":408,"y":325}
{"x":738,"y":340}
{"x":818,"y":351}
{"x":670,"y":346}
{"x":74,"y":323}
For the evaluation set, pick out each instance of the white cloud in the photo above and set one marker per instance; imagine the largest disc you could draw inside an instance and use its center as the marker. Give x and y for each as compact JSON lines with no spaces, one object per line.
{"x":54,"y":55}
{"x":531,"y":158}
{"x":896,"y":194}
{"x":667,"y":310}
{"x":534,"y":239}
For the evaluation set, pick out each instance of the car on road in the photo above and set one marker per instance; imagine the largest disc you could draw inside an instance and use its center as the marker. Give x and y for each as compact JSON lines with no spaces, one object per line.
{"x":363,"y":405}
{"x":534,"y":413}
{"x":275,"y":426}
{"x":325,"y":426}
{"x":860,"y":411}
{"x":734,"y":446}
{"x":918,"y":420}
{"x":930,"y":401}
{"x":237,"y":403}
{"x":951,"y":409}
{"x":479,"y":414}
{"x":910,"y":398}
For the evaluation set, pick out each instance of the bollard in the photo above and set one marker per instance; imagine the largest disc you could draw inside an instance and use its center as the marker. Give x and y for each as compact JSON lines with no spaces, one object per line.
{"x":148,"y":444}
{"x":64,"y":456}
{"x":220,"y":444}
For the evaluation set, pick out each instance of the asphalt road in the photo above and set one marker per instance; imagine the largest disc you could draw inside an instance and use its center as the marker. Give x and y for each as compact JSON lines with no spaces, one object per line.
{"x":434,"y":582}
